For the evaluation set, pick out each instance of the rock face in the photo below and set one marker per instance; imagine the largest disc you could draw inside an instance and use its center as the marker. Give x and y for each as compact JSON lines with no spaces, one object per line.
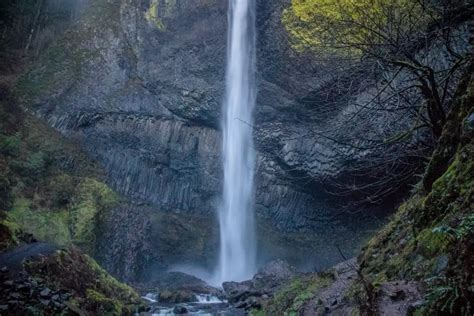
{"x":140,"y":85}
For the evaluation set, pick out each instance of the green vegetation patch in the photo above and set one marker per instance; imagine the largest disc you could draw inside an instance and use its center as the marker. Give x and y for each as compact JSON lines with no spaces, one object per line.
{"x":430,"y":238}
{"x":48,"y":187}
{"x":292,"y":296}
{"x":158,"y":10}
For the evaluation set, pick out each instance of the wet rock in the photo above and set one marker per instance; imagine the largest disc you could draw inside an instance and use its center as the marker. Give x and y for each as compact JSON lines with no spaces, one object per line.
{"x":3,"y":308}
{"x":272,"y":275}
{"x":397,"y":297}
{"x":178,"y":287}
{"x":45,"y":302}
{"x":233,"y":289}
{"x":45,"y":292}
{"x":25,"y":287}
{"x":176,"y":296}
{"x":469,"y":123}
{"x":253,"y":302}
{"x":180,"y":310}
{"x":8,"y":283}
{"x":441,"y":264}
{"x":4,"y":269}
{"x":249,"y":294}
{"x":413,"y":307}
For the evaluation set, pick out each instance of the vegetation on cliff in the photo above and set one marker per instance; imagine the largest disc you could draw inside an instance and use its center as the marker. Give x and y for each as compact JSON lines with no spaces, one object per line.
{"x":413,"y":62}
{"x":430,"y":237}
{"x":427,"y":244}
{"x":408,"y":57}
{"x":50,"y":189}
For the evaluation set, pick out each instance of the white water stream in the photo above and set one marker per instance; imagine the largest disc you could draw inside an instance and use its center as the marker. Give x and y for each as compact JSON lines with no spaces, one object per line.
{"x":237,"y":252}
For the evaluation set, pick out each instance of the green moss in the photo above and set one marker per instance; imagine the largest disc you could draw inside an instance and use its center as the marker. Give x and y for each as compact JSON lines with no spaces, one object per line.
{"x":431,"y":243}
{"x":257,"y":312}
{"x":8,"y":237}
{"x":109,"y":285}
{"x":430,"y":237}
{"x":91,"y":199}
{"x":74,"y":223}
{"x":456,"y":183}
{"x":292,"y":296}
{"x":10,"y":145}
{"x":102,"y":304}
{"x":97,"y":291}
{"x":47,"y":226}
{"x":157,"y":10}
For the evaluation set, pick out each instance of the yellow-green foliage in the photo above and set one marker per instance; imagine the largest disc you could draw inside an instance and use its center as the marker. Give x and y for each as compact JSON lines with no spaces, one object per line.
{"x":291,"y":297}
{"x":43,"y":224}
{"x":158,"y":10}
{"x":110,"y":285}
{"x":458,"y":181}
{"x":8,"y":231}
{"x":75,"y":223}
{"x":351,"y":24}
{"x":92,"y":197}
{"x":431,"y":243}
{"x":48,"y":186}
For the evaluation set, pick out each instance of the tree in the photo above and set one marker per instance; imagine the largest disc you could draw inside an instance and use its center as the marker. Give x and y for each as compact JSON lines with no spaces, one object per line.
{"x":413,"y":51}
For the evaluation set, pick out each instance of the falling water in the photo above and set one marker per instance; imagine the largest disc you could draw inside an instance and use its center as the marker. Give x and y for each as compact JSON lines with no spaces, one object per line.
{"x":237,"y":257}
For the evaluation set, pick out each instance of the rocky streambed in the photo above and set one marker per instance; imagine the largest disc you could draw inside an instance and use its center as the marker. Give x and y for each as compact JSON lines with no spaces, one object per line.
{"x":280,"y":287}
{"x":176,"y":293}
{"x":41,"y":277}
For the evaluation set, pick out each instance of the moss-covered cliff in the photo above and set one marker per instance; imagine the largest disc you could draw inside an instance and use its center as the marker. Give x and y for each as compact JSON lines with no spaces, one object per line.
{"x":50,"y":188}
{"x":422,"y":261}
{"x":430,"y":238}
{"x":52,"y":192}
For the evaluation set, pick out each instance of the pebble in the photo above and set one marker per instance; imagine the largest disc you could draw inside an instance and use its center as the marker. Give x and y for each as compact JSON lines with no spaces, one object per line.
{"x":15,"y":295}
{"x":179,"y":310}
{"x":45,"y":292}
{"x":8,"y":283}
{"x":45,"y":302}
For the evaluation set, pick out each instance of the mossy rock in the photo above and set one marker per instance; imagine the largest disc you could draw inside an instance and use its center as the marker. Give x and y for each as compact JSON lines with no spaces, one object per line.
{"x":292,"y":296}
{"x":94,"y":289}
{"x":431,"y":243}
{"x":102,"y":305}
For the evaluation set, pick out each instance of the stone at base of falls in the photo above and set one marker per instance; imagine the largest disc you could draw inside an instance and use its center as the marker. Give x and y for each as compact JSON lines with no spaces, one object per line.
{"x":247,"y":294}
{"x":180,"y":310}
{"x":178,"y":287}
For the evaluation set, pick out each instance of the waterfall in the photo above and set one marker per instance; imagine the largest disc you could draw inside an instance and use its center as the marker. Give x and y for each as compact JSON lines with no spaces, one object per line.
{"x":237,"y":252}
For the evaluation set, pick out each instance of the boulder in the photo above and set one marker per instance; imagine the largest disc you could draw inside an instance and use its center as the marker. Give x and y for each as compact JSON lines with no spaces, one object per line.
{"x":272,"y":275}
{"x":180,"y":310}
{"x":249,"y":294}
